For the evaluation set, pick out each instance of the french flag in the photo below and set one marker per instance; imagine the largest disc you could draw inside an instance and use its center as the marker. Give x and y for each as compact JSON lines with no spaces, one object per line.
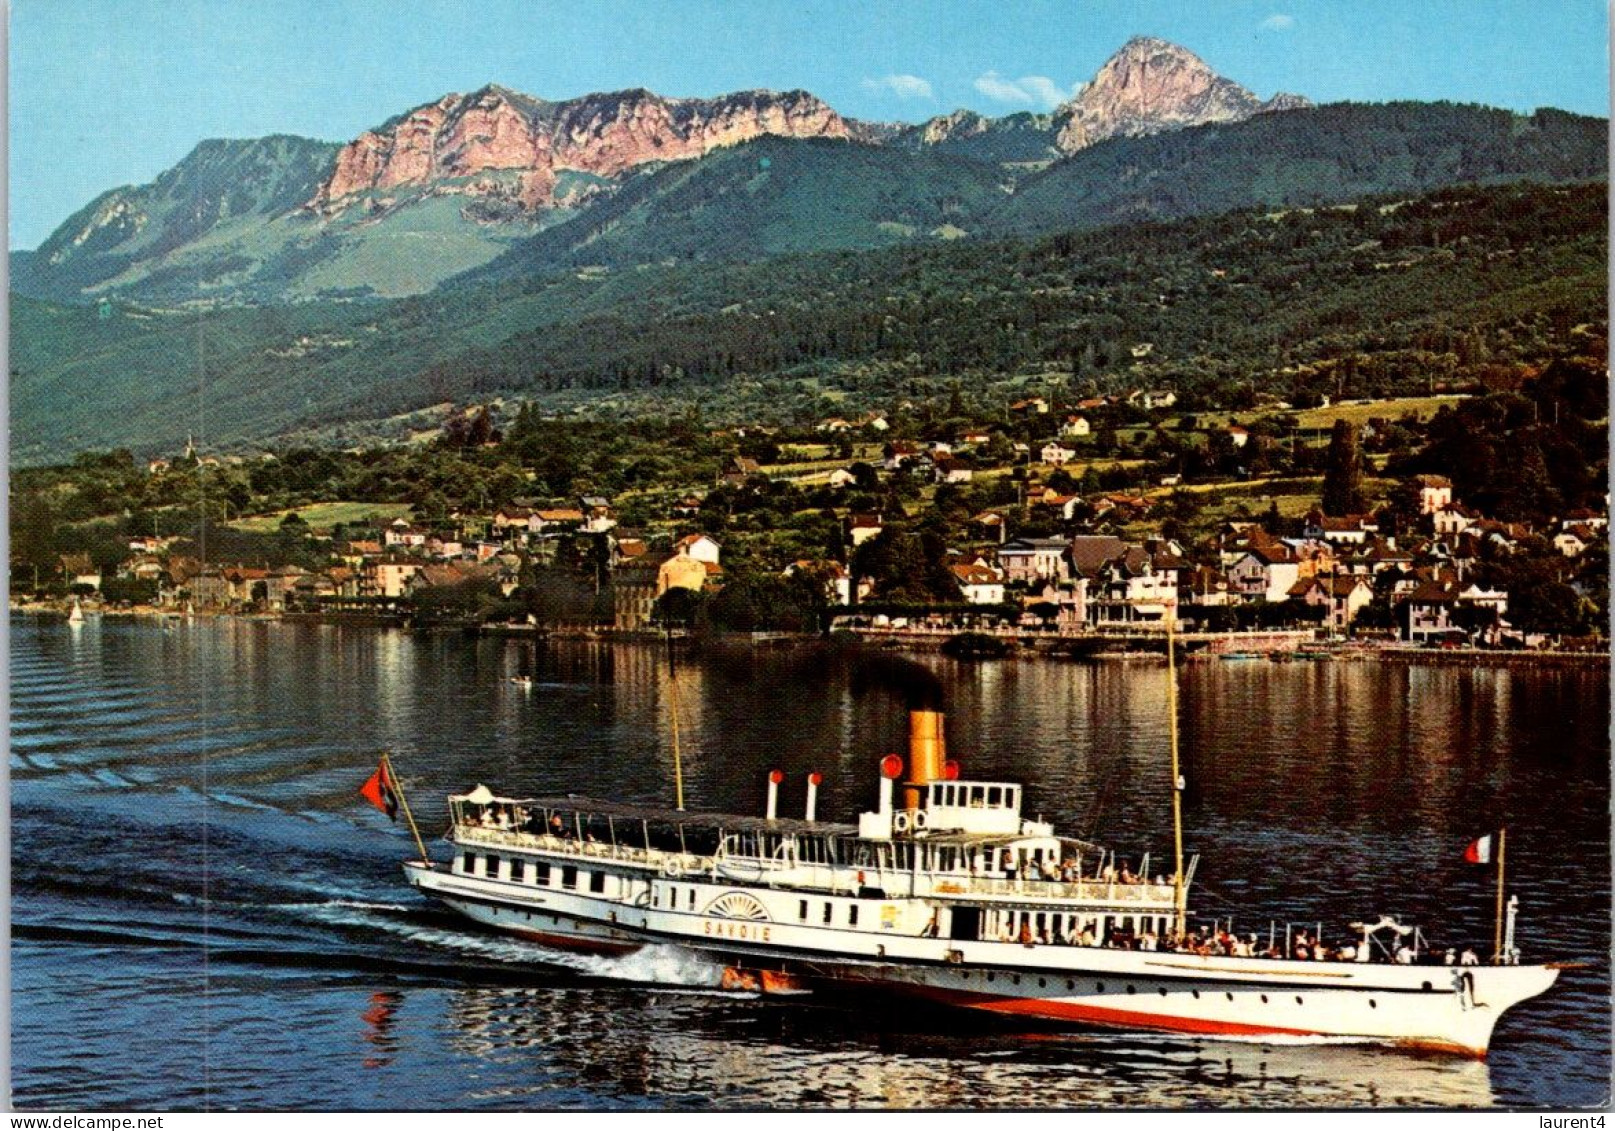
{"x":1480,"y":852}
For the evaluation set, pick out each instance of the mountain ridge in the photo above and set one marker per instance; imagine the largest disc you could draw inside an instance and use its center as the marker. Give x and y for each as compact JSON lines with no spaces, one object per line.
{"x":481,"y":180}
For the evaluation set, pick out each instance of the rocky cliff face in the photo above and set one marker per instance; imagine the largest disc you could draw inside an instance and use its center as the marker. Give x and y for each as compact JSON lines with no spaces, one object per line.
{"x":500,"y":143}
{"x":1151,"y":85}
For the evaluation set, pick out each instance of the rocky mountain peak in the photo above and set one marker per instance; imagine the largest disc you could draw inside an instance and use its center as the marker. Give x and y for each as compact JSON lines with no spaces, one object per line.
{"x":1152,"y":85}
{"x":496,"y":142}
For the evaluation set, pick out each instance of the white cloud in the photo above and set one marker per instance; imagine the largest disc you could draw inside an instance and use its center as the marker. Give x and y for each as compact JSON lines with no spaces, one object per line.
{"x":1028,"y":90}
{"x":903,"y":86}
{"x":1278,"y":22}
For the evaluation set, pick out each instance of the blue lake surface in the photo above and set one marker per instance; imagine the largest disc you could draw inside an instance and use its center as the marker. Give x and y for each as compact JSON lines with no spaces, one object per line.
{"x":205,"y":915}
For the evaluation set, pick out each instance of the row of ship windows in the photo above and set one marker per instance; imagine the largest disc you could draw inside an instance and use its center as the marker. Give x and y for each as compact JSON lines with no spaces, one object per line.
{"x":673,"y":898}
{"x":542,"y":875}
{"x":828,"y":913}
{"x":1099,"y":988}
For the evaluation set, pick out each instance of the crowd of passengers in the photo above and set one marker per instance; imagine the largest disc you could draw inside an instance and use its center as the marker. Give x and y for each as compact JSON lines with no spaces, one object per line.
{"x":517,"y":818}
{"x":1070,"y":871}
{"x":1225,"y":944}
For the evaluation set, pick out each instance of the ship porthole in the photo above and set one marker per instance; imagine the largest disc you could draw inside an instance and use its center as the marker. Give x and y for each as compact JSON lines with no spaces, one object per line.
{"x":990,"y":977}
{"x":1042,"y":982}
{"x":1131,"y":990}
{"x":1230,"y":997}
{"x":1264,"y":999}
{"x":1163,"y":991}
{"x":1015,"y":978}
{"x":1099,"y":987}
{"x":1298,"y":1000}
{"x":1372,"y":1004}
{"x":1196,"y":994}
{"x":1426,"y":987}
{"x":1070,"y":984}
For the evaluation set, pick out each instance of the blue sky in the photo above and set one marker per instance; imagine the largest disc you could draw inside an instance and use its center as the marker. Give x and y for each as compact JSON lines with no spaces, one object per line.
{"x":111,"y":92}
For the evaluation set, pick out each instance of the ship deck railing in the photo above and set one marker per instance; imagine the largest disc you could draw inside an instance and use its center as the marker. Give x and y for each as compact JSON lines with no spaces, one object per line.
{"x":1082,"y":891}
{"x":840,"y":878}
{"x":685,"y":863}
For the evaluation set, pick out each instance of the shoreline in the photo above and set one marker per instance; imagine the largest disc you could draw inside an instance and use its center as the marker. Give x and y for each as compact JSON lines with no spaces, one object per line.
{"x":1256,"y":646}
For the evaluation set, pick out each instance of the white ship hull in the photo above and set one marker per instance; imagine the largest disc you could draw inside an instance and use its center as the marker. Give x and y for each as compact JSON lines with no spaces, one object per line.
{"x":1451,"y":1016}
{"x":758,"y":931}
{"x":956,"y":898}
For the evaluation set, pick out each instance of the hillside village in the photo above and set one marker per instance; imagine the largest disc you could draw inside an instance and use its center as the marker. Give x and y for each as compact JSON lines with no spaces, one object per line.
{"x":1054,"y":515}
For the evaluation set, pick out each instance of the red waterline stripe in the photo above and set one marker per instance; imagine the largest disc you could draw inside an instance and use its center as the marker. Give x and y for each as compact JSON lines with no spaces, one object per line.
{"x":1100,"y":1015}
{"x":574,"y":942}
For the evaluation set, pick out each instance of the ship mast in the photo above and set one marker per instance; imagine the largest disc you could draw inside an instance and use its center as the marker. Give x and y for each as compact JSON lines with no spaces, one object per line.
{"x":673,"y":712}
{"x":1178,"y":894}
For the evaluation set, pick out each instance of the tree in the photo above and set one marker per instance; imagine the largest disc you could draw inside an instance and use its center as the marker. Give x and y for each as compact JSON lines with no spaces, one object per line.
{"x":1343,"y":475}
{"x":678,"y":608}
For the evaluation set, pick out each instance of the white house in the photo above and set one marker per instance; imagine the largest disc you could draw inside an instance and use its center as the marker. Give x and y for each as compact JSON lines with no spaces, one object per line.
{"x":1033,"y":559}
{"x":1452,"y":519}
{"x":862,"y":527}
{"x":979,"y":584}
{"x":1435,"y":492}
{"x":1341,"y":530}
{"x":1265,"y":572}
{"x":1075,"y":427}
{"x":700,"y":547}
{"x":1429,"y":611}
{"x":837,"y":581}
{"x":1342,"y":597}
{"x":1054,"y":455}
{"x":948,"y":468}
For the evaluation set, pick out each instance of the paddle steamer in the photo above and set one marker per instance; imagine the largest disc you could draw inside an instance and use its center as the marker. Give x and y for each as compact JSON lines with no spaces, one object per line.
{"x":947,"y":891}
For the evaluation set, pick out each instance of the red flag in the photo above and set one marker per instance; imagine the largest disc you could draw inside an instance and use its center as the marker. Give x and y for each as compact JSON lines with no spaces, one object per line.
{"x":379,"y":792}
{"x":1480,"y":852}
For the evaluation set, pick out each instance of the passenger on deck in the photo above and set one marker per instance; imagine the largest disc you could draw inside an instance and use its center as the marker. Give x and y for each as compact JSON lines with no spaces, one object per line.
{"x":557,"y":828}
{"x":1404,"y":955}
{"x":1086,"y":937}
{"x":1127,"y":876}
{"x":1450,"y":958}
{"x":1027,"y":938}
{"x":1469,"y":958}
{"x":1050,"y":871}
{"x":1347,"y":952}
{"x":1148,"y":941}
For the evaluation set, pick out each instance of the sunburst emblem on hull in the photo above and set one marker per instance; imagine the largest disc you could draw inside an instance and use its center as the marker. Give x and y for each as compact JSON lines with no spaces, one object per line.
{"x":738,"y":905}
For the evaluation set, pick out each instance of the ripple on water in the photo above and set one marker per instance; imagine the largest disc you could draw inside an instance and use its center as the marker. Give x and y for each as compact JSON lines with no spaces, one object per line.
{"x":1316,"y":792}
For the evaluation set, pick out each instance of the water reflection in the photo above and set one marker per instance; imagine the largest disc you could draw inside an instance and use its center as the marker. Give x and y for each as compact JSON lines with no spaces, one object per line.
{"x":687,"y":1046}
{"x":380,"y":1022}
{"x":1317,"y":792}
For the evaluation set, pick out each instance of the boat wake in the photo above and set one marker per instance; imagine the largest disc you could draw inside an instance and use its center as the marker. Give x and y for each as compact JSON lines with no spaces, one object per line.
{"x":659,"y":964}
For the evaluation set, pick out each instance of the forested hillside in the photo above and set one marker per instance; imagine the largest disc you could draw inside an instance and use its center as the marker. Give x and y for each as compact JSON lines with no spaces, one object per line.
{"x":1463,"y":286}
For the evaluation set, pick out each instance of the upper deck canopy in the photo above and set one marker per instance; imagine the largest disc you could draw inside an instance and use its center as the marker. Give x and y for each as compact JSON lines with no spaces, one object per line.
{"x":731,"y":822}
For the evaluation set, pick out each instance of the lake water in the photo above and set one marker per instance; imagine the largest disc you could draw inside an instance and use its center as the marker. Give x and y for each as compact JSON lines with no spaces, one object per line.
{"x":204,"y":914}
